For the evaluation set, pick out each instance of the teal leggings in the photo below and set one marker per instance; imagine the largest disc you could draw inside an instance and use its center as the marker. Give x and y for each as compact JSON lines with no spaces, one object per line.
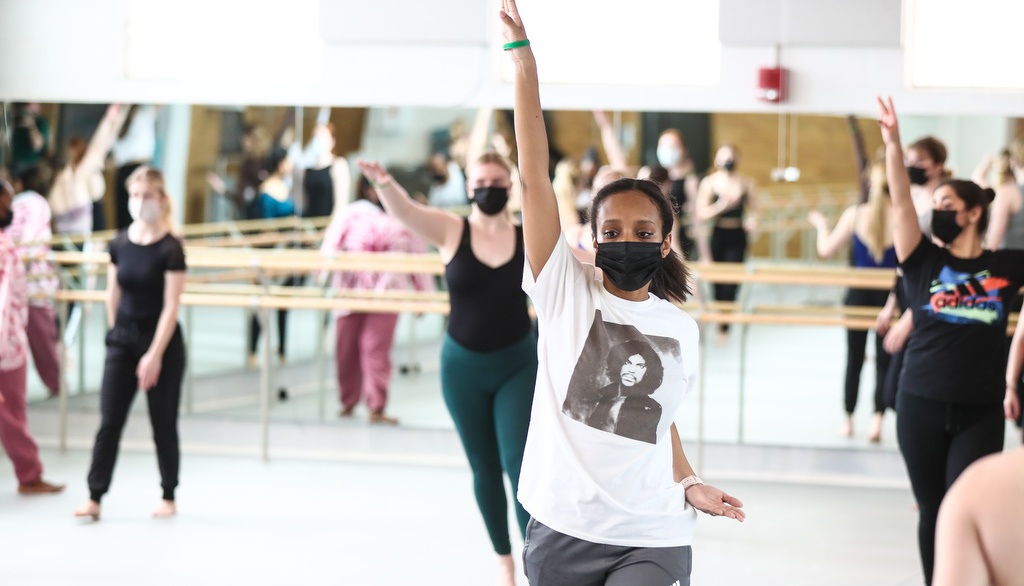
{"x":489,"y":395}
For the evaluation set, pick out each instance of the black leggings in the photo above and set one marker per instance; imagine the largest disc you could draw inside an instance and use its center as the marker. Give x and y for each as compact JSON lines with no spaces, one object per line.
{"x":728,"y":245}
{"x":125,"y":346}
{"x":939,"y":440}
{"x":282,"y":323}
{"x":855,"y":345}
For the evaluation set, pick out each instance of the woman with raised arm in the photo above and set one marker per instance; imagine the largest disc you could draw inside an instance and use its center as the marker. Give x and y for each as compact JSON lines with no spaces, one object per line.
{"x":145,"y":349}
{"x":612,"y":497}
{"x":868,"y":226}
{"x":951,"y":392}
{"x":489,"y":355}
{"x":729,"y":199}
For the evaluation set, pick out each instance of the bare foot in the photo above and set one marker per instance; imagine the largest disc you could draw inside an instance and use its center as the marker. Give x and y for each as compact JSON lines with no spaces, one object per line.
{"x":846,"y":429}
{"x":166,"y":509}
{"x":40,"y":487}
{"x":346,"y":411}
{"x":722,"y":338}
{"x":875,"y":434}
{"x":506,"y":571}
{"x":252,"y":363}
{"x":379,"y":417}
{"x":90,"y":509}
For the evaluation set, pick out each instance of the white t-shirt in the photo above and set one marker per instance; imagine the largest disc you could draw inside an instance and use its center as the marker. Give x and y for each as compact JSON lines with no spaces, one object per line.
{"x":598,"y":466}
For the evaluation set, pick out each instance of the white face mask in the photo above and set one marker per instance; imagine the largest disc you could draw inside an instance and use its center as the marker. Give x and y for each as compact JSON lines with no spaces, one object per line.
{"x":669,"y":156}
{"x":144,"y":210}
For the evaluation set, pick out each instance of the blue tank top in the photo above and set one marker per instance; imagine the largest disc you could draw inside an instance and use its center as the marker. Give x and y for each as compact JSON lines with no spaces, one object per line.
{"x":862,"y":257}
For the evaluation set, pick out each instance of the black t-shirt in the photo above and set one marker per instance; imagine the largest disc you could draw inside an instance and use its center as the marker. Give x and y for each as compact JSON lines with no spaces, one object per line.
{"x":140,"y":273}
{"x":957,"y":352}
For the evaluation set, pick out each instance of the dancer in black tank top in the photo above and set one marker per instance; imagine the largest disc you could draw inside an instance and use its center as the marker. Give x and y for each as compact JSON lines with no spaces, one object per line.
{"x":489,"y":356}
{"x":477,"y":290}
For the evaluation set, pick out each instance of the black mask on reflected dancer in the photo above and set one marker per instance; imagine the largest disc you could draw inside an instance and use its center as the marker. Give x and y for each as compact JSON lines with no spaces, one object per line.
{"x":629,"y":265}
{"x":918,"y":176}
{"x":5,"y":222}
{"x":490,"y":200}
{"x":944,"y":225}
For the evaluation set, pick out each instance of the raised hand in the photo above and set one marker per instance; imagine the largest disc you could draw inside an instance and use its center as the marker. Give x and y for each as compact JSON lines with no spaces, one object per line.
{"x":374,"y":171}
{"x":714,"y":502}
{"x":887,"y":122}
{"x":817,"y":219}
{"x":601,"y":119}
{"x":512,"y":29}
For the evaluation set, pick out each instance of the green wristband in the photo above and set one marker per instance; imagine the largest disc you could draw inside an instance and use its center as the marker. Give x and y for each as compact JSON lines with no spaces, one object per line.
{"x":516,"y":44}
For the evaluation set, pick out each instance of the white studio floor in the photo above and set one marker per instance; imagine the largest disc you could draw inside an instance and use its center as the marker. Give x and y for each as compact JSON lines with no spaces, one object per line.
{"x":367,"y":524}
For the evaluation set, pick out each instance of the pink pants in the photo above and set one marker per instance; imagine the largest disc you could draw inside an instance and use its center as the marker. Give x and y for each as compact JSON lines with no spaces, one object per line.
{"x":42,"y":341}
{"x":364,"y":357}
{"x":14,"y":435}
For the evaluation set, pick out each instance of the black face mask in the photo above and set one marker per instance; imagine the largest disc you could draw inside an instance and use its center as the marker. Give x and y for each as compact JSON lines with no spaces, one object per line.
{"x":918,"y":176}
{"x":629,"y":265}
{"x":439,"y":178}
{"x":5,"y":222}
{"x":490,"y":200}
{"x":944,"y":225}
{"x":729,"y":166}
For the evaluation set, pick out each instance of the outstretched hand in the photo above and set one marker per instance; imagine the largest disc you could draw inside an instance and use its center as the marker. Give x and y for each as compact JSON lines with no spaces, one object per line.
{"x":374,"y":171}
{"x":512,"y":24}
{"x":817,"y":219}
{"x":713,"y":501}
{"x":887,"y":122}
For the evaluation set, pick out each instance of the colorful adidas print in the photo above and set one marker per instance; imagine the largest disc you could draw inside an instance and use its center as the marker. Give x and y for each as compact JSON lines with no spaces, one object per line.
{"x":963,"y":298}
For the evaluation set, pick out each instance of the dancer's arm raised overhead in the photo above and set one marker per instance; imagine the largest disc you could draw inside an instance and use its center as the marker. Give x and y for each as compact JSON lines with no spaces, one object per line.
{"x":906,"y":231}
{"x":440,"y":228}
{"x":541,"y":227}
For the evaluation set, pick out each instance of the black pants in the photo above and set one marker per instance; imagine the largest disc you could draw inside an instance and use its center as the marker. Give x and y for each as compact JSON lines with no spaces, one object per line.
{"x":121,"y":214}
{"x":938,"y":441}
{"x":856,"y":340}
{"x":126,"y":344}
{"x":728,"y":245}
{"x":282,"y":323}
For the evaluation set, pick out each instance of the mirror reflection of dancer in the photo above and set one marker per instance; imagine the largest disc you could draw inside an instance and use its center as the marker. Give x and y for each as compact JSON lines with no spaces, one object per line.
{"x":950,"y":401}
{"x":489,"y":355}
{"x":605,"y":509}
{"x":145,"y":348}
{"x":625,"y":406}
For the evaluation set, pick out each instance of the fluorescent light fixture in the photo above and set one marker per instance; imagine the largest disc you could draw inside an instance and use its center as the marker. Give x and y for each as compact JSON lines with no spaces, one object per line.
{"x":224,"y":40}
{"x":958,"y":44}
{"x":640,"y":42}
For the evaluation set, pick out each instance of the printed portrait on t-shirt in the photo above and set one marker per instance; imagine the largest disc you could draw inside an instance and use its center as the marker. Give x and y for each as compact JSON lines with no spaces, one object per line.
{"x":614,"y":385}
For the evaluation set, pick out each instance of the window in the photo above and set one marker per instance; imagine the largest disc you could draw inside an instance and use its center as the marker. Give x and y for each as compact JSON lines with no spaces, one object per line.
{"x":224,"y":40}
{"x":957,"y":44}
{"x":639,"y":42}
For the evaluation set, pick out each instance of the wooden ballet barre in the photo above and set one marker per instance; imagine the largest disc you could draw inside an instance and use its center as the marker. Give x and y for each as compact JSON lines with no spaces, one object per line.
{"x":258,"y":240}
{"x":189,"y":231}
{"x":281,"y":302}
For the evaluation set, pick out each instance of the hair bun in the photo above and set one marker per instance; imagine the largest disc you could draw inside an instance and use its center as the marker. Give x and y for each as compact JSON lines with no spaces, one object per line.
{"x":989,"y":194}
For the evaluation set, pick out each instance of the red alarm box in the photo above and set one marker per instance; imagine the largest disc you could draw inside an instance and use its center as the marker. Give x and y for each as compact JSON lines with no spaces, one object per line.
{"x":771,"y":84}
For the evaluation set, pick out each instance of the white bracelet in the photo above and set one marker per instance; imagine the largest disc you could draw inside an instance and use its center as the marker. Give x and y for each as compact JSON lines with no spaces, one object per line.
{"x":689,"y":481}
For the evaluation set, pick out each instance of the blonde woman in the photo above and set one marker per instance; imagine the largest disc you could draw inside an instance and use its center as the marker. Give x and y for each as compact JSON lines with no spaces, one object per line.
{"x":145,"y":348}
{"x":869,"y":227}
{"x":1006,"y":224}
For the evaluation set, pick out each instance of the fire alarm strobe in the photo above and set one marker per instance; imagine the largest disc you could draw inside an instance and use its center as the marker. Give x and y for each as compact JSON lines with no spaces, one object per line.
{"x":771,"y":84}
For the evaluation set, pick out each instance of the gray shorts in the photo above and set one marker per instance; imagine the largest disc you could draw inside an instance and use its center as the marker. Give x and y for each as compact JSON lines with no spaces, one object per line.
{"x":551,"y":558}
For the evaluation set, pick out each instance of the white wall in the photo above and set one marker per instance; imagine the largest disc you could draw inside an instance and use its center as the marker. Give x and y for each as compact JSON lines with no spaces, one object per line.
{"x":395,"y":52}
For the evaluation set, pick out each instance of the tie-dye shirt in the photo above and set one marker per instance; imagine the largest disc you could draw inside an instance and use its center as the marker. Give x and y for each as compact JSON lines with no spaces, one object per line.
{"x":364,"y":227}
{"x":32,"y":225}
{"x":13,"y":307}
